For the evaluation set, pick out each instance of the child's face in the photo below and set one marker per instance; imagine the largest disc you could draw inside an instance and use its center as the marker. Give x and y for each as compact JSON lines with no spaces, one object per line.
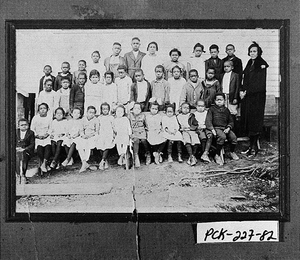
{"x":76,"y":113}
{"x":227,"y":67}
{"x":139,"y":77}
{"x":176,"y":73}
{"x":43,"y":110}
{"x":200,"y":106}
{"x":214,"y":53}
{"x":169,"y":112}
{"x":59,"y":115}
{"x":230,"y":50}
{"x":220,"y":101}
{"x":48,"y":86}
{"x":65,"y":84}
{"x":193,"y":76}
{"x":198,"y":51}
{"x":253,"y":52}
{"x":136,"y":109}
{"x":210,"y":74}
{"x":90,"y":114}
{"x":65,"y":68}
{"x":122,"y":73}
{"x":23,"y":126}
{"x":135,"y":44}
{"x":94,"y":79}
{"x":154,"y":109}
{"x":47,"y":70}
{"x":185,"y":108}
{"x":105,"y":110}
{"x":119,"y":112}
{"x":159,"y":73}
{"x":81,"y":79}
{"x":152,"y":48}
{"x":108,"y":79}
{"x":174,"y":56}
{"x":116,"y":49}
{"x":81,"y":66}
{"x":95,"y":57}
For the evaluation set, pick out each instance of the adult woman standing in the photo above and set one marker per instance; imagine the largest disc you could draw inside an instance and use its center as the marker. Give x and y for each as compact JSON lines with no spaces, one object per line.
{"x":253,"y":95}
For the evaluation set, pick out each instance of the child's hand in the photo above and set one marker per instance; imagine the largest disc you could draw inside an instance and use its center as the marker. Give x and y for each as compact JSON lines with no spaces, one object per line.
{"x":234,"y":102}
{"x":214,"y":132}
{"x":243,"y":94}
{"x":226,"y":131}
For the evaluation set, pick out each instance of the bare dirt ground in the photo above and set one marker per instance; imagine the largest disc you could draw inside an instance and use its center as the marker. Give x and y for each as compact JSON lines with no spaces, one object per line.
{"x":168,"y":187}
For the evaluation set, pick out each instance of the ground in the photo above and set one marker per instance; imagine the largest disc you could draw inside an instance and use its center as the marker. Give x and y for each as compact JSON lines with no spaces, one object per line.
{"x":246,"y":185}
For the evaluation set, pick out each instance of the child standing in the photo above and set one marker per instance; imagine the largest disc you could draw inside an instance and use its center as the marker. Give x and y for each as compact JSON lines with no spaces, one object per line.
{"x":93,"y":91}
{"x":115,"y":60}
{"x":89,"y":135}
{"x":174,"y":55}
{"x":41,"y":126}
{"x":230,"y":84}
{"x":123,"y":83}
{"x":97,"y":65}
{"x":64,"y":95}
{"x":47,"y":70}
{"x":204,"y":134}
{"x":123,"y":132}
{"x":211,"y":87}
{"x":106,"y":134}
{"x":24,"y":148}
{"x":48,"y":96}
{"x":160,"y":88}
{"x":133,"y":59}
{"x":74,"y":129}
{"x":140,"y":90}
{"x":176,"y":86}
{"x":171,"y":132}
{"x":138,"y":124}
{"x":155,"y":134}
{"x":57,"y":135}
{"x":109,"y":90}
{"x":65,"y":72}
{"x":196,"y":61}
{"x":236,"y":62}
{"x":77,"y":92}
{"x":214,"y":61}
{"x":190,"y":138}
{"x":220,"y":122}
{"x":81,"y":68}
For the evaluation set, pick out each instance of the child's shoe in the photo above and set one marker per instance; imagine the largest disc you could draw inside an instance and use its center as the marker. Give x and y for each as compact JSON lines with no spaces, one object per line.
{"x":205,"y":158}
{"x":160,"y":158}
{"x":105,"y":164}
{"x":101,"y":165}
{"x":170,"y":159}
{"x":218,"y":159}
{"x":179,"y":158}
{"x":148,"y":158}
{"x":234,"y":156}
{"x":43,"y":168}
{"x":193,"y":160}
{"x":84,"y":167}
{"x":137,"y":163}
{"x":65,"y":163}
{"x":121,"y":158}
{"x":189,"y":161}
{"x":53,"y":164}
{"x":48,"y":168}
{"x":58,"y":166}
{"x":156,"y":157}
{"x":71,"y":162}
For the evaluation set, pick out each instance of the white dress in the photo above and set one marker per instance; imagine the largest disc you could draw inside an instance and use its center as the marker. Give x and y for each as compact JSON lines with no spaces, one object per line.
{"x":58,"y":130}
{"x":176,"y":86}
{"x":106,"y":132}
{"x":97,"y":66}
{"x":149,"y":63}
{"x":155,"y":134}
{"x":188,"y":136}
{"x":90,"y":126}
{"x":109,"y":94}
{"x":93,"y":96}
{"x":74,"y":128}
{"x":123,"y":131}
{"x":172,"y":125}
{"x":41,"y":126}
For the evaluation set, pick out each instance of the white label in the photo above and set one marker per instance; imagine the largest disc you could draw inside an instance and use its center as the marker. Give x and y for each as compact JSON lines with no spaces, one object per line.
{"x":238,"y":231}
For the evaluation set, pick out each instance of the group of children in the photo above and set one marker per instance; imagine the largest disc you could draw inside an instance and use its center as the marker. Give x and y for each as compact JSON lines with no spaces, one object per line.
{"x":119,"y":107}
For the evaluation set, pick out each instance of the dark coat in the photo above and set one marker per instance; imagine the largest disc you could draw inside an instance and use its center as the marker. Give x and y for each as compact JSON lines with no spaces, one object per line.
{"x":133,"y":63}
{"x":237,"y":65}
{"x":134,"y":94}
{"x":76,"y":97}
{"x":217,"y":64}
{"x":57,"y":82}
{"x":219,"y":117}
{"x":41,"y":86}
{"x":253,"y":104}
{"x":234,"y":86}
{"x":27,"y":143}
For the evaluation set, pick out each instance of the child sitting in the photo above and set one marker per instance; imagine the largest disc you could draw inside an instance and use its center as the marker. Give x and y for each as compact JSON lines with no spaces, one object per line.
{"x":204,"y":134}
{"x":74,"y":128}
{"x":171,"y":132}
{"x":47,"y":70}
{"x":123,"y":83}
{"x":65,"y":72}
{"x":214,"y":61}
{"x":93,"y":91}
{"x":81,"y":68}
{"x":220,"y":122}
{"x":89,"y":135}
{"x":24,"y":148}
{"x":57,"y":135}
{"x":211,"y":87}
{"x":190,"y":138}
{"x":155,"y":134}
{"x":123,"y":132}
{"x":138,"y":125}
{"x":106,"y":134}
{"x":48,"y":96}
{"x":77,"y":92}
{"x":64,"y":95}
{"x":140,"y":90}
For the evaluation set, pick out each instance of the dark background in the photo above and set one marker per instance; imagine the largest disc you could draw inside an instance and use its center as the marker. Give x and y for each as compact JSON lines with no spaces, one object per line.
{"x":157,"y":240}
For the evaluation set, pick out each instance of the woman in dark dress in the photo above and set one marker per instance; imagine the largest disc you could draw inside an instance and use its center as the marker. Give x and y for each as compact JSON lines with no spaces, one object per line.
{"x":253,"y":96}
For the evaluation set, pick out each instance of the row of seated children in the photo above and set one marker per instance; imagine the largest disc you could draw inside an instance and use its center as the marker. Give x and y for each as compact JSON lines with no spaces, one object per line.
{"x":154,"y":130}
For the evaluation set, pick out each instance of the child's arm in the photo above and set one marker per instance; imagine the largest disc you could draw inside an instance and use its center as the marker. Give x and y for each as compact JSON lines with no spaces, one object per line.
{"x":218,"y":87}
{"x":236,"y":89}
